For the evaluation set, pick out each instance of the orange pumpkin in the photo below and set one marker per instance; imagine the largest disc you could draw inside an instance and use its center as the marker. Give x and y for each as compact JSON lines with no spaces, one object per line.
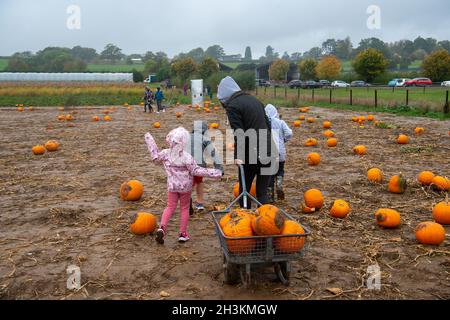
{"x":144,"y":223}
{"x":214,"y":126}
{"x":398,"y":184}
{"x":69,"y":117}
{"x":419,"y":130}
{"x":297,"y":124}
{"x":332,"y":142}
{"x":269,"y":221}
{"x":131,"y":190}
{"x":61,"y":117}
{"x":30,"y":108}
{"x":38,"y":150}
{"x":387,"y":218}
{"x":157,"y":125}
{"x":425,"y":178}
{"x":327,"y":125}
{"x":52,"y":145}
{"x":20,"y":109}
{"x":226,"y":218}
{"x":178,"y":114}
{"x":106,"y":118}
{"x":441,"y":212}
{"x":290,"y":244}
{"x":130,"y":108}
{"x":340,"y":209}
{"x":237,"y":186}
{"x":311,"y":120}
{"x":304,"y":110}
{"x":430,"y":233}
{"x":360,"y":150}
{"x":375,"y":175}
{"x":370,"y":117}
{"x":311,"y":142}
{"x":441,"y":183}
{"x":95,"y":119}
{"x":328,"y":134}
{"x":302,"y":118}
{"x":239,"y":227}
{"x":361,"y":119}
{"x":313,"y":199}
{"x":313,"y":159}
{"x":403,"y":139}
{"x":355,"y":119}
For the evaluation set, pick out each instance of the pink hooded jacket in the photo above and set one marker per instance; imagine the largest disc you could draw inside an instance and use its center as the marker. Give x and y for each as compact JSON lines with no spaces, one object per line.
{"x":179,"y":164}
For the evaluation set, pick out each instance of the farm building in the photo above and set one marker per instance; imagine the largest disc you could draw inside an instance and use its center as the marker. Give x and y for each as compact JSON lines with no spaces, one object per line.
{"x":262,"y":72}
{"x":65,"y":77}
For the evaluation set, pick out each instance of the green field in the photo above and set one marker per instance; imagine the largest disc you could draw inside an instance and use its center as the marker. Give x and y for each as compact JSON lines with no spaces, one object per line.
{"x":3,"y":64}
{"x":115,"y":67}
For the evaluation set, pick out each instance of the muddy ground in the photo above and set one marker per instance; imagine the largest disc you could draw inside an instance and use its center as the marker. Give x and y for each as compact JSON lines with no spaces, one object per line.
{"x":64,"y":209}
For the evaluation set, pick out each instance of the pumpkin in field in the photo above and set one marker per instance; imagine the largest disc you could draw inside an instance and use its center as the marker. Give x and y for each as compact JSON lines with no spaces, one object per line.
{"x":425,"y":178}
{"x":340,"y":209}
{"x":106,"y":118}
{"x":313,"y":159}
{"x":313,"y":199}
{"x":311,"y":120}
{"x":297,"y":124}
{"x":214,"y":126}
{"x":239,"y":227}
{"x":355,"y":119}
{"x":69,"y":117}
{"x":130,"y":108}
{"x":30,"y":108}
{"x":311,"y":142}
{"x":360,"y":150}
{"x":302,"y":118}
{"x":361,"y":119}
{"x":178,"y":114}
{"x":20,"y":109}
{"x":441,"y":183}
{"x":430,"y":233}
{"x":38,"y":150}
{"x":403,"y":139}
{"x":237,"y":186}
{"x":52,"y":145}
{"x":95,"y":119}
{"x":131,"y":190}
{"x":304,"y":110}
{"x":370,"y":117}
{"x":328,"y":134}
{"x":269,"y":221}
{"x":397,"y":184}
{"x":375,"y":175}
{"x":216,"y":108}
{"x":290,"y":244}
{"x":157,"y":125}
{"x":327,"y":125}
{"x":419,"y":130}
{"x":61,"y":117}
{"x":144,"y":223}
{"x":332,"y":142}
{"x":387,"y":218}
{"x":441,"y":212}
{"x":125,"y":104}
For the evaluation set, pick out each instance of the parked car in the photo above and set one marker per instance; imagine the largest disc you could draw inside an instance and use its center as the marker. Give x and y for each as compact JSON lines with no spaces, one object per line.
{"x":262,"y":83}
{"x":340,"y":84}
{"x":311,"y":84}
{"x":325,"y":83}
{"x":295,"y":84}
{"x":359,"y":83}
{"x":445,"y":84}
{"x":397,"y":82}
{"x":418,"y":82}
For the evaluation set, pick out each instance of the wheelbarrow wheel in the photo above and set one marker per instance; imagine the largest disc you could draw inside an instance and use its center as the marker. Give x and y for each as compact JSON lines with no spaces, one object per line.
{"x":283,"y":272}
{"x":230,"y":271}
{"x":246,"y":275}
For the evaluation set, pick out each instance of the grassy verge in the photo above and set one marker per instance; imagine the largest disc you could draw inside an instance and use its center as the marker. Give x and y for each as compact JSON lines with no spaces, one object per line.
{"x":115,"y":67}
{"x":3,"y":64}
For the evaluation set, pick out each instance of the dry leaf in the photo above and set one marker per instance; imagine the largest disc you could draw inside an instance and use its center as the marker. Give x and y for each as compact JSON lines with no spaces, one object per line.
{"x":335,"y":291}
{"x":396,"y":239}
{"x":164,"y":294}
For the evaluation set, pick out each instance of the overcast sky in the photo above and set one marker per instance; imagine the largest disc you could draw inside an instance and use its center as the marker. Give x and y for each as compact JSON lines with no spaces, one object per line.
{"x":177,"y":26}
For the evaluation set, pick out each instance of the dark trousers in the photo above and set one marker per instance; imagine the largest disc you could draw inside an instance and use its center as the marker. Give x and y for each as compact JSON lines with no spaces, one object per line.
{"x":262,"y":182}
{"x":148,"y":104}
{"x":280,"y":173}
{"x":159,"y":103}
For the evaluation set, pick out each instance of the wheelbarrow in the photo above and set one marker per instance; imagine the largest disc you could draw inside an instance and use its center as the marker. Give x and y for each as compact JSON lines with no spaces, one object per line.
{"x":241,"y":255}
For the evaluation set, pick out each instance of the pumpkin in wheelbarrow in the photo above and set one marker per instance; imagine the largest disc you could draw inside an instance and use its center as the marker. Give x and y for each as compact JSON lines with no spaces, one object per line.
{"x":290,"y":244}
{"x":239,"y":226}
{"x":238,"y":212}
{"x":269,"y":221}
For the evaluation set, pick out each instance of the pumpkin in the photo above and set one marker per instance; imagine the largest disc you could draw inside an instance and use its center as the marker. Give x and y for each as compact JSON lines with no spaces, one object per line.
{"x":30,"y":108}
{"x":360,"y":150}
{"x":307,"y":210}
{"x":157,"y":125}
{"x":397,"y":184}
{"x":403,"y":139}
{"x":370,"y":117}
{"x":313,"y":159}
{"x":361,"y":119}
{"x":311,"y":142}
{"x":332,"y":142}
{"x":214,"y":126}
{"x":313,"y":199}
{"x":226,"y":218}
{"x":51,"y":145}
{"x":441,"y":212}
{"x":304,"y":110}
{"x":239,"y":227}
{"x":297,"y":124}
{"x":95,"y":119}
{"x":328,"y":134}
{"x":327,"y":125}
{"x":419,"y":130}
{"x":207,"y":110}
{"x":387,"y":218}
{"x":269,"y":221}
{"x":290,"y":244}
{"x":125,"y":104}
{"x":302,"y":118}
{"x":340,"y":209}
{"x":216,"y":108}
{"x":61,"y":117}
{"x":107,"y":118}
{"x":430,"y":233}
{"x":144,"y":223}
{"x":311,"y":120}
{"x":237,"y":186}
{"x":355,"y":119}
{"x":69,"y":117}
{"x":375,"y":175}
{"x":20,"y":109}
{"x":178,"y":114}
{"x":141,"y":104}
{"x":425,"y":178}
{"x":441,"y":183}
{"x":131,"y":190}
{"x":38,"y":150}
{"x":130,"y":108}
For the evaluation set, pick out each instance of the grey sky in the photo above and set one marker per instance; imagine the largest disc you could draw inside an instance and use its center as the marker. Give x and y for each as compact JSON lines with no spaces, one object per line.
{"x":177,"y":26}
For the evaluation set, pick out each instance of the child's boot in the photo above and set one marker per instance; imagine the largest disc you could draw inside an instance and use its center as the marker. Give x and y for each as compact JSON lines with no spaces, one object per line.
{"x":280,"y":191}
{"x":160,"y":235}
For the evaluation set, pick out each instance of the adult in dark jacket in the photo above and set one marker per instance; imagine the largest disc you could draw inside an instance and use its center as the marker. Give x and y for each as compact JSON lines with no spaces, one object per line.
{"x":252,"y":134}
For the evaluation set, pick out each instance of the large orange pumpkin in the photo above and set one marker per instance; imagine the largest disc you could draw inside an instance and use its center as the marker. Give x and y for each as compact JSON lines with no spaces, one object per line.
{"x":297,"y":124}
{"x":375,"y":175}
{"x":327,"y":125}
{"x":237,"y":186}
{"x":214,"y":126}
{"x":239,"y":227}
{"x":340,"y":209}
{"x":131,"y":190}
{"x":425,"y":178}
{"x":144,"y":223}
{"x":360,"y":150}
{"x":387,"y":218}
{"x":328,"y":134}
{"x":332,"y":142}
{"x":441,"y":212}
{"x":157,"y":125}
{"x":419,"y":130}
{"x":290,"y":244}
{"x":430,"y":233}
{"x":107,"y":118}
{"x":311,"y":120}
{"x":313,"y":159}
{"x":313,"y":199}
{"x":61,"y":117}
{"x":38,"y":150}
{"x":269,"y":221}
{"x":69,"y":117}
{"x":441,"y":183}
{"x":226,"y":218}
{"x":52,"y":145}
{"x":95,"y":119}
{"x":311,"y":142}
{"x":403,"y":139}
{"x":397,"y":184}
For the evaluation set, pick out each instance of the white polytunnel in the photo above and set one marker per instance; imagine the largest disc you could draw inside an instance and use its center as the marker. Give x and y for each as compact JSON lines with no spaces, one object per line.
{"x":65,"y":77}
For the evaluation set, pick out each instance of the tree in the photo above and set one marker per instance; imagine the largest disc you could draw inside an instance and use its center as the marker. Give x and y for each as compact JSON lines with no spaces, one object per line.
{"x":286,"y":56}
{"x":436,"y":66}
{"x":197,"y":54}
{"x":308,"y":69}
{"x":329,"y":67}
{"x":137,"y":76}
{"x":374,"y":43}
{"x":444,"y":45}
{"x":370,"y":63}
{"x":85,"y":54}
{"x":278,"y":70}
{"x":111,"y":52}
{"x":184,"y":68}
{"x":271,"y":55}
{"x":215,"y":52}
{"x":344,"y":48}
{"x":314,"y":53}
{"x":248,"y":54}
{"x":296,"y":56}
{"x":208,"y":67}
{"x":329,"y":47}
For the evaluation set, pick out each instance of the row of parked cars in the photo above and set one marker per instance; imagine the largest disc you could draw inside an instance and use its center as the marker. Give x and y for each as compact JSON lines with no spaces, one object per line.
{"x":311,"y":84}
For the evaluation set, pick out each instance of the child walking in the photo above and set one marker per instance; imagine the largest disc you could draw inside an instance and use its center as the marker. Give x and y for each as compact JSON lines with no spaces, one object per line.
{"x":159,"y":97}
{"x":180,"y":167}
{"x":148,"y":99}
{"x":284,"y":135}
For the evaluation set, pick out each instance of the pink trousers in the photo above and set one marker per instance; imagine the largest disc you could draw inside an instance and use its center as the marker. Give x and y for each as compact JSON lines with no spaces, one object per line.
{"x":172,"y":203}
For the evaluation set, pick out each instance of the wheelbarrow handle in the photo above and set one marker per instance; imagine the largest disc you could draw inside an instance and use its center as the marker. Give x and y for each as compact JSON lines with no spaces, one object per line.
{"x":244,"y":186}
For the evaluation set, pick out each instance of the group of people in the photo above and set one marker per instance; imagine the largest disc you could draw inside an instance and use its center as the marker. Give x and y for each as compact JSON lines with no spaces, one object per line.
{"x":150,"y":97}
{"x":185,"y":169}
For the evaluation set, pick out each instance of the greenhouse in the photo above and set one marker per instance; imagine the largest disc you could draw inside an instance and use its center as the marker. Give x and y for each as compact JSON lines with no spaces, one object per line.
{"x":57,"y":77}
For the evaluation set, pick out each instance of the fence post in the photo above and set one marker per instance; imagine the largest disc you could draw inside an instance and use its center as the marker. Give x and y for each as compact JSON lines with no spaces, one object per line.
{"x":351,"y":97}
{"x":298,"y":94}
{"x":407,"y":97}
{"x":265,"y":90}
{"x":331,"y":96}
{"x":446,"y":107}
{"x":376,"y":98}
{"x":256,"y":89}
{"x":313,"y":94}
{"x":274,"y":91}
{"x":285,"y":93}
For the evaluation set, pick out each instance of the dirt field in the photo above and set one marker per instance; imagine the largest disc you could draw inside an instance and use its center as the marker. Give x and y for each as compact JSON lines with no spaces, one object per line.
{"x":63,"y":208}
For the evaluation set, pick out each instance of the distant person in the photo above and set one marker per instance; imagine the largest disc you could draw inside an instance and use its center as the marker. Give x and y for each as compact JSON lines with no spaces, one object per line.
{"x":185,"y":89}
{"x":148,"y":99}
{"x":210,"y":93}
{"x":159,"y":97}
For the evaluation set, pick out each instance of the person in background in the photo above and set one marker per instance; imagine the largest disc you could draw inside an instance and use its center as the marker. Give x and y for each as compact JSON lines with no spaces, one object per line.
{"x":284,"y":134}
{"x":148,"y":99}
{"x":185,"y":89}
{"x":211,"y":96}
{"x":159,"y":97}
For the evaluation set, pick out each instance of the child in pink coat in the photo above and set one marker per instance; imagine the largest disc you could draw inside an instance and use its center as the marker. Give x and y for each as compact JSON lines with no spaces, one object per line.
{"x":181,"y":168}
